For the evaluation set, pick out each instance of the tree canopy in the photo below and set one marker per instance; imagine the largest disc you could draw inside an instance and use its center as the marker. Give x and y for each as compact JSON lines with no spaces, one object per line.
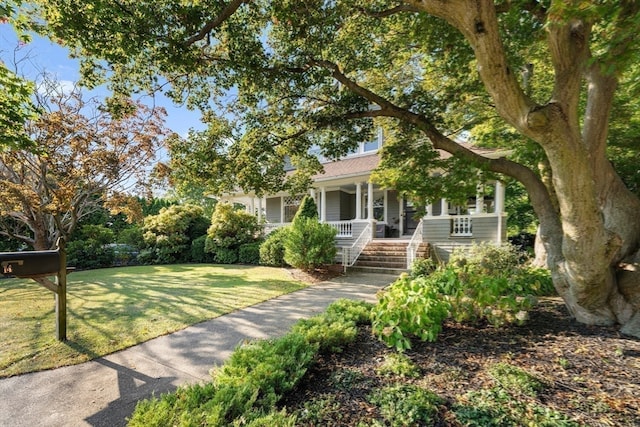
{"x":85,"y":158}
{"x":539,"y":77}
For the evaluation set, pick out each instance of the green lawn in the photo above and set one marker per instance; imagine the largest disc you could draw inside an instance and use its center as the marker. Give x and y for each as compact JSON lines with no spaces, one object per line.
{"x":111,"y":309}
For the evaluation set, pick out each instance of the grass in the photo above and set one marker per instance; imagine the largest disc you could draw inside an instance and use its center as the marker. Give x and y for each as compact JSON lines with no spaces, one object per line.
{"x":112,"y":309}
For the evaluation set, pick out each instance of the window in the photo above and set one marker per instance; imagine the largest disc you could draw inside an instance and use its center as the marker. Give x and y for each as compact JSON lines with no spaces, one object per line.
{"x":462,"y":227}
{"x":290,"y":206}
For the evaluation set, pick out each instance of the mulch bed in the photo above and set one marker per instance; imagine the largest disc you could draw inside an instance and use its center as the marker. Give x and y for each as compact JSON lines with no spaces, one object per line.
{"x":592,"y":373}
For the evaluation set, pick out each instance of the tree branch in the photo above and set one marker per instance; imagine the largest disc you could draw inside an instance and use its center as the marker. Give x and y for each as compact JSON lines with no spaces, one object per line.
{"x":477,"y":21}
{"x":225,"y":14}
{"x":388,"y":12}
{"x":535,"y":187}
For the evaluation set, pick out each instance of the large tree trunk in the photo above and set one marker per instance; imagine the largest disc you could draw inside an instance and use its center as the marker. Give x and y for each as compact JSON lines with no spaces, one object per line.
{"x":595,"y":224}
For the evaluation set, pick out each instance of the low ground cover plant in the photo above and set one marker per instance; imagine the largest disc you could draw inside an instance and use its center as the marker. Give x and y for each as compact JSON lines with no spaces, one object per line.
{"x":246,"y":388}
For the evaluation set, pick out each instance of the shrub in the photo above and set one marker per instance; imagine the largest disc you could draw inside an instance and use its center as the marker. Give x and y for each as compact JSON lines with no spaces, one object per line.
{"x":231,"y":228}
{"x":249,"y":253}
{"x":132,"y":236}
{"x":536,"y":281}
{"x":398,"y":365}
{"x":89,"y":254}
{"x":309,"y":244}
{"x":147,"y":256}
{"x":488,"y":258}
{"x":179,"y":408}
{"x":504,"y":405}
{"x":247,"y":387}
{"x":225,"y":255}
{"x":170,"y":233}
{"x":198,"y":253}
{"x":409,"y":308}
{"x":259,"y":373}
{"x":97,"y":233}
{"x":307,"y":209}
{"x":330,"y":334}
{"x":422,"y":267}
{"x":469,"y":289}
{"x":516,"y":380}
{"x":272,"y":249}
{"x":358,"y":312}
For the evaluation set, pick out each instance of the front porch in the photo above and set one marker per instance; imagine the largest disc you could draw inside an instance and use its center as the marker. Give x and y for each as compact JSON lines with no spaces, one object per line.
{"x":443,"y":226}
{"x":360,"y":210}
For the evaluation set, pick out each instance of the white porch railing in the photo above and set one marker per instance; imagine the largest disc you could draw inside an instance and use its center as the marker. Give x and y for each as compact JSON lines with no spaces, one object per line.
{"x":461,"y":226}
{"x":414,"y":244}
{"x":271,"y":226}
{"x":351,"y":253}
{"x":344,"y":228}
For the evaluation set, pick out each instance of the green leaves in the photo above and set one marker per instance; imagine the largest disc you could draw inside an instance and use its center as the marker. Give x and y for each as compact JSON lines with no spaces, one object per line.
{"x":484,"y":283}
{"x":16,"y":108}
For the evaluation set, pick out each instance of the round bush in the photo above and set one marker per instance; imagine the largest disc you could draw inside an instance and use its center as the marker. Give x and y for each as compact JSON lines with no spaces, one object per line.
{"x":309,"y":244}
{"x":272,"y":249}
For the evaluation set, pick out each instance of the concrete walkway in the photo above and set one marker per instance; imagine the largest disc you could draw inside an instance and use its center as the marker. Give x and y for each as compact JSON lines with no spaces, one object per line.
{"x":104,"y":392}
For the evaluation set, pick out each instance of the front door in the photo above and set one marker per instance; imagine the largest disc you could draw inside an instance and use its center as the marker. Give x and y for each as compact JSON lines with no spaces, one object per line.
{"x":411,"y":219}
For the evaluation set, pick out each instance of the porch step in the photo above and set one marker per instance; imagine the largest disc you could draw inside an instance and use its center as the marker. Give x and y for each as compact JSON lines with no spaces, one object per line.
{"x":383,"y":254}
{"x":380,"y":256}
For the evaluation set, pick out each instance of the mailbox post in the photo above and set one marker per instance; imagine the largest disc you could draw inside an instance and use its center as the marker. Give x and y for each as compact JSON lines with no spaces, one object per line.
{"x":61,"y":298}
{"x":39,"y":265}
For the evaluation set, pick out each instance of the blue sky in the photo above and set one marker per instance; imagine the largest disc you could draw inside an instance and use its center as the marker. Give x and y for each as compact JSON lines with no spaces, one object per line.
{"x":47,"y":56}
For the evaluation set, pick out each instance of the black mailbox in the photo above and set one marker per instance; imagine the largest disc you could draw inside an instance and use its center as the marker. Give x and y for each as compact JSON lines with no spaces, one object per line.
{"x":30,"y":263}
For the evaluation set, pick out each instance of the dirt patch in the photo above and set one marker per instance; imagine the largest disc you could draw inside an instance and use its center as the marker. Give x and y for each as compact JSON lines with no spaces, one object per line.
{"x":318,"y":275}
{"x":590,"y":374}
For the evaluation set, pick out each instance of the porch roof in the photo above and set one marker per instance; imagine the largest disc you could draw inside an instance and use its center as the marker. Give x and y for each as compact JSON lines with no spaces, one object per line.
{"x":364,"y":164}
{"x":350,"y":166}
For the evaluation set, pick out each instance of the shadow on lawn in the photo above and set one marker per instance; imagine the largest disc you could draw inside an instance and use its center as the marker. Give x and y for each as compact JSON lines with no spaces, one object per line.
{"x":136,"y":303}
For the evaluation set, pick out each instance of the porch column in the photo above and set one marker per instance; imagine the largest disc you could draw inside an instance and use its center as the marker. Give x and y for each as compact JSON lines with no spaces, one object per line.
{"x":252,"y":206}
{"x":358,"y":200}
{"x":499,"y":207}
{"x":323,"y":204}
{"x":444,"y":210}
{"x":281,"y":209}
{"x":479,"y":199}
{"x":370,"y":201}
{"x":385,"y":206}
{"x":429,"y":209}
{"x":400,"y":216}
{"x":312,"y":194}
{"x":260,"y":209}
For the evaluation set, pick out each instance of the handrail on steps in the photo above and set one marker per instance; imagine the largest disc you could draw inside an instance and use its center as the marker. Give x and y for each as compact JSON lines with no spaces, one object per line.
{"x":350,"y":254}
{"x":414,"y":244}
